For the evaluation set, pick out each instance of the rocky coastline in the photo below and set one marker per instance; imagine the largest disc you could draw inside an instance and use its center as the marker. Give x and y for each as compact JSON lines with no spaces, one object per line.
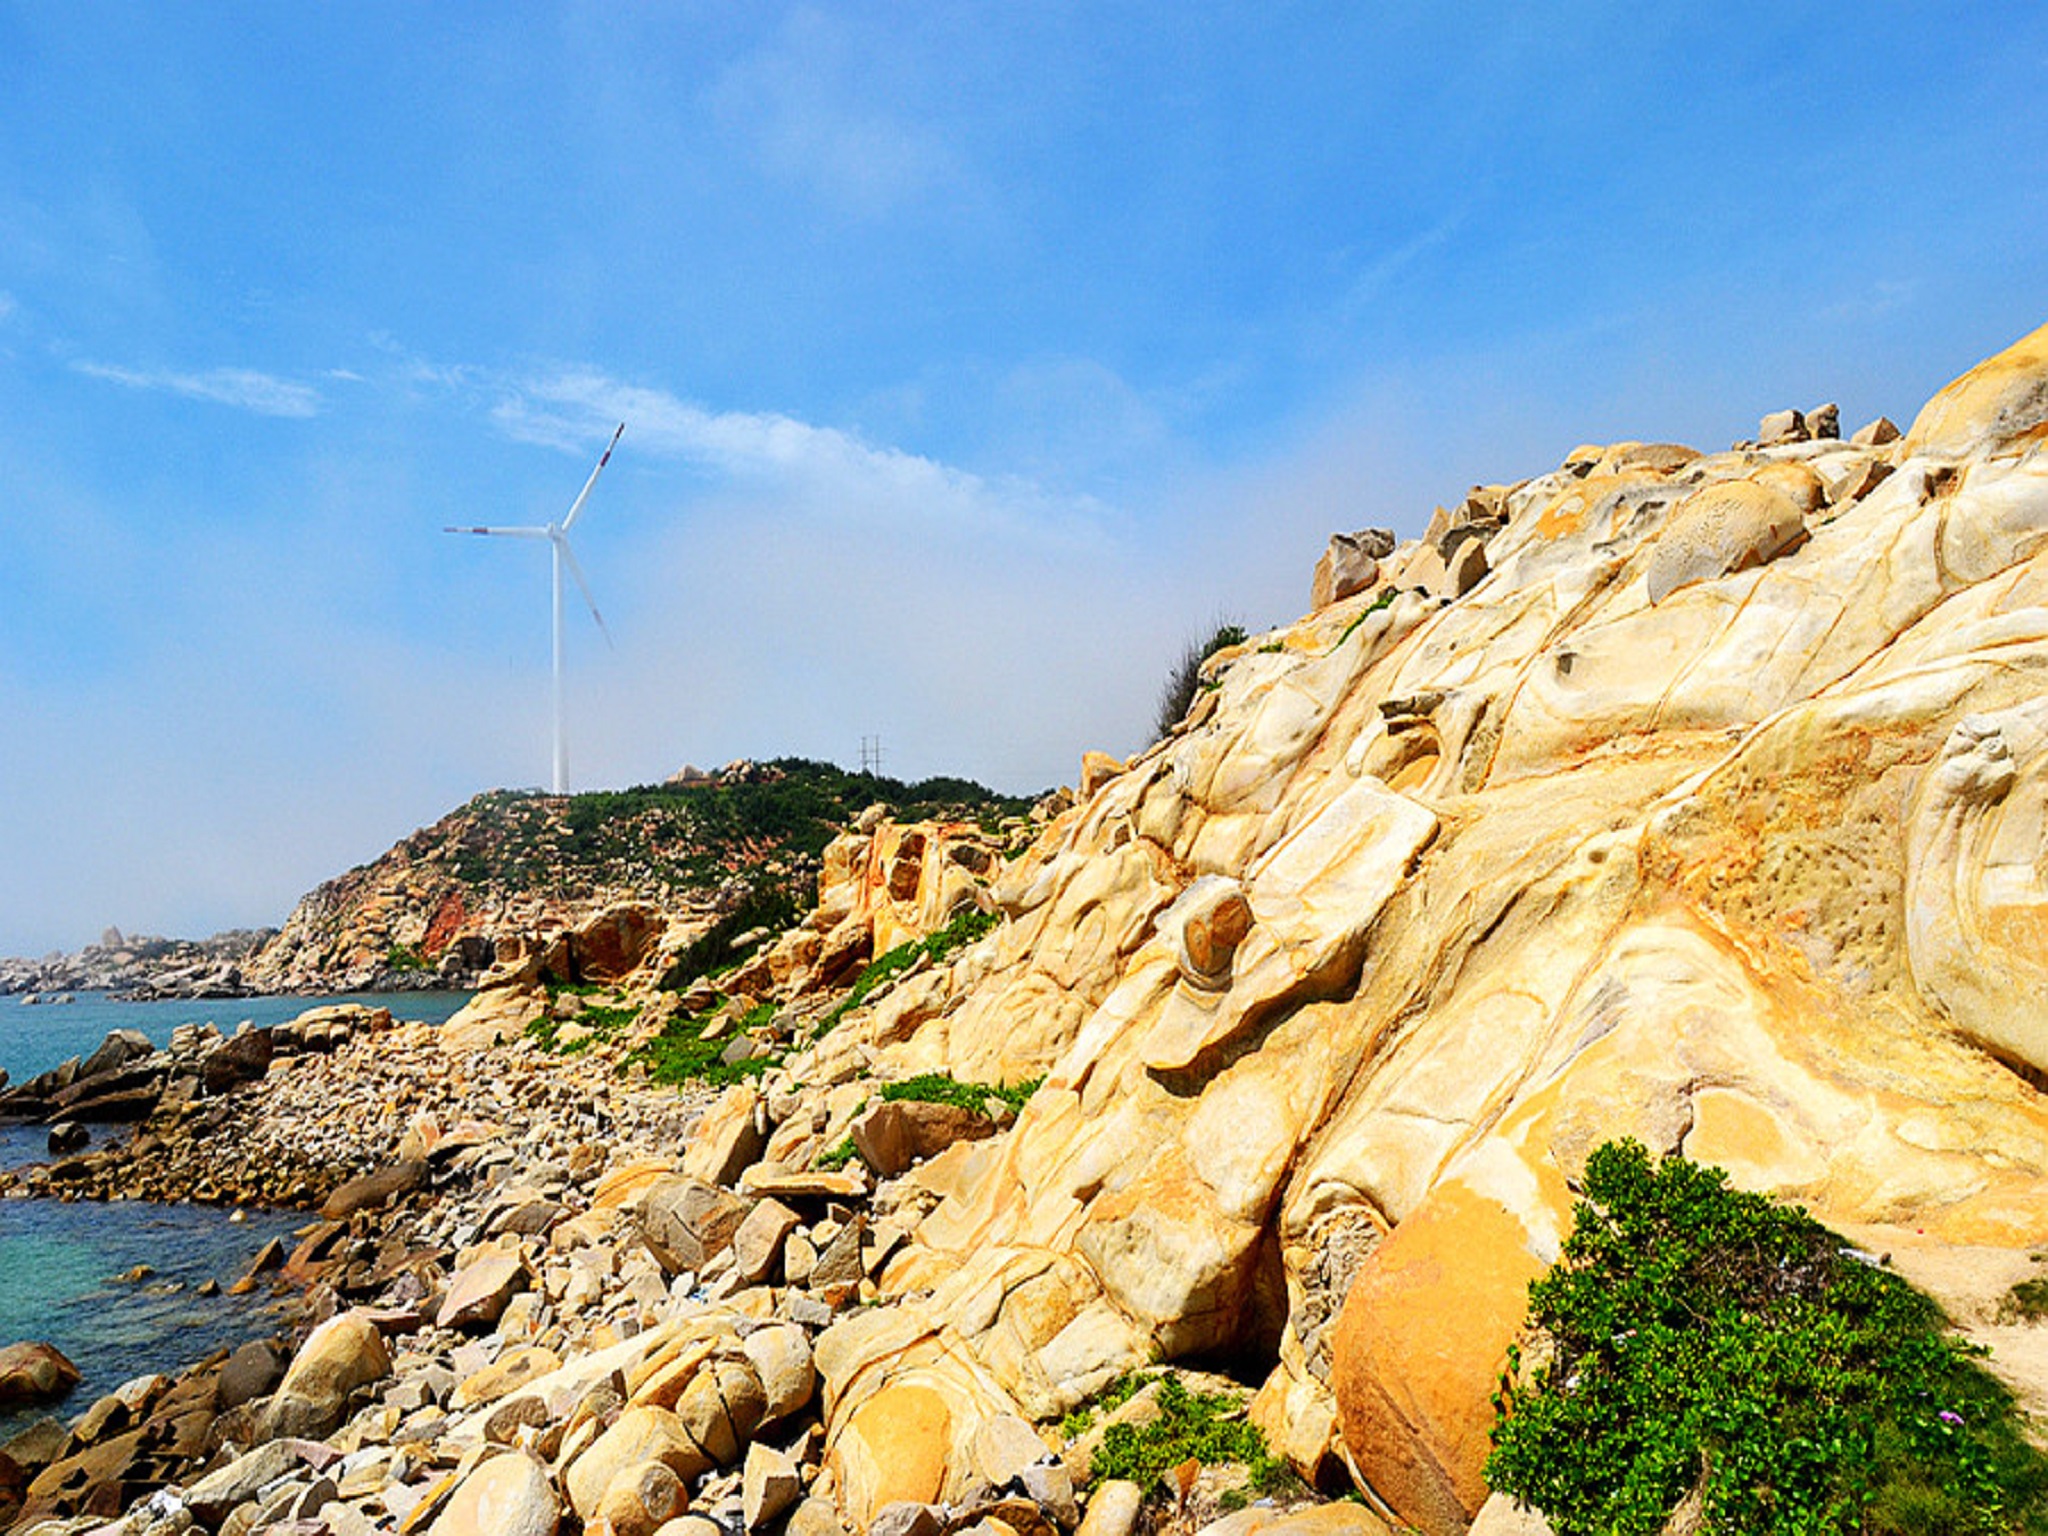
{"x":1695,"y":800}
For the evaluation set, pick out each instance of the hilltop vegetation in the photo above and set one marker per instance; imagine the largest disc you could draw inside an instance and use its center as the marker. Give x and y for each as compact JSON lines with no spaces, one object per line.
{"x":427,"y":911}
{"x":663,"y":836}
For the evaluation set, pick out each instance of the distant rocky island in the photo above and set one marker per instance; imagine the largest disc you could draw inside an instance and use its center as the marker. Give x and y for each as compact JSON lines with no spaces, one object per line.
{"x":429,"y":912}
{"x":1377,"y":1106}
{"x":143,"y":965}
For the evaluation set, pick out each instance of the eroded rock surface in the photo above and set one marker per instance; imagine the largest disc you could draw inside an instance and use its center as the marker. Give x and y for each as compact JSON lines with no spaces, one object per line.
{"x":1714,"y":816}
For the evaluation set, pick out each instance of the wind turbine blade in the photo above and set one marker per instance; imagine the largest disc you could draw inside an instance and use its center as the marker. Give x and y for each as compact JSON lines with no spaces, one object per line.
{"x":575,"y":570}
{"x":604,"y":458}
{"x":509,"y":533}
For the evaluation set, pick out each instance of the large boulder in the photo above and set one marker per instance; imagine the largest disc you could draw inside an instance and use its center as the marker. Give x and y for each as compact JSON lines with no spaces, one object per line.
{"x":641,"y":1434}
{"x":685,"y":1222}
{"x":243,"y":1058}
{"x":896,"y":1133}
{"x":1719,"y":529}
{"x":34,"y":1373}
{"x":2000,"y":403}
{"x":509,"y":1495}
{"x":616,"y":942}
{"x":342,"y":1354}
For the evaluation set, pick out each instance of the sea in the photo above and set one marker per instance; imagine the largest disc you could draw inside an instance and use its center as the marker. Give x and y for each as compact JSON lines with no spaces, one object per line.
{"x":62,"y":1266}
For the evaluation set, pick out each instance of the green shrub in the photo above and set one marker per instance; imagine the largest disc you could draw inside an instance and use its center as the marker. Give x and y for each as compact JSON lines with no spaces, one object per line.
{"x":1206,"y":1426}
{"x":1704,"y":1337}
{"x":403,"y":957}
{"x":1108,"y":1400}
{"x":1178,"y":691}
{"x":835,"y":1158}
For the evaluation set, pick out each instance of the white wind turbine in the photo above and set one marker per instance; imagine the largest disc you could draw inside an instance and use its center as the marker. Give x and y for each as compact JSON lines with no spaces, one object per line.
{"x":557,"y":535}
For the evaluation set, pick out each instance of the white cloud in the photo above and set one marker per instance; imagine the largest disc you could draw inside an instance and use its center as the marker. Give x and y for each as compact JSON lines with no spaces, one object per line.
{"x":244,"y":388}
{"x":826,"y":468}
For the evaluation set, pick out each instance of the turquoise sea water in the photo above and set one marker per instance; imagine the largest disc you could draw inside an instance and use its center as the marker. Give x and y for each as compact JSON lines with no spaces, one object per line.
{"x":59,"y":1269}
{"x":59,"y":1263}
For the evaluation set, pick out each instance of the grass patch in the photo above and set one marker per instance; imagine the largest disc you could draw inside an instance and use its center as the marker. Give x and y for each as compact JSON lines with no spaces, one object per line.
{"x":602,"y":1020}
{"x":938,"y":1088}
{"x":960,"y":930}
{"x":834,"y":1158}
{"x":1207,"y":1427}
{"x":1703,"y":1337}
{"x":403,"y":957}
{"x":680,"y":1055}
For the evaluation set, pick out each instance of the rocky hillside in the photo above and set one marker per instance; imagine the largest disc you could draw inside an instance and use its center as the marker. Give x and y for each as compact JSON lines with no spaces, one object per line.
{"x":1691,"y":797}
{"x":431,"y":911}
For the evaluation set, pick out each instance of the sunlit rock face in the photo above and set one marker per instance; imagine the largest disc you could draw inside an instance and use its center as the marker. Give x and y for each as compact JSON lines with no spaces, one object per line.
{"x":1710,"y":808}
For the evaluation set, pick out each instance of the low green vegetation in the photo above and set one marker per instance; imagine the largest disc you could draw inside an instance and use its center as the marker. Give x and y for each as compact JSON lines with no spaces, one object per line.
{"x":1703,"y":1339}
{"x":1206,"y":1427}
{"x":1108,"y":1400}
{"x":938,"y":1088}
{"x":962,"y":929}
{"x":681,"y":1054}
{"x":1384,"y":600}
{"x":2026,"y":1302}
{"x":596,"y":1021}
{"x":403,"y":957}
{"x":832,"y":1159}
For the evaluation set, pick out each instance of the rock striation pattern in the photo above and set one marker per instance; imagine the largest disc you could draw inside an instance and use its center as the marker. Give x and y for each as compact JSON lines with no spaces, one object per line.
{"x":1693,"y":797}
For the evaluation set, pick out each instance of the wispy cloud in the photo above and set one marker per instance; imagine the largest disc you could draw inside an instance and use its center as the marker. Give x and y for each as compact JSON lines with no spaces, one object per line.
{"x":1377,"y":275}
{"x":833,"y":469}
{"x":244,"y":388}
{"x":7,"y":305}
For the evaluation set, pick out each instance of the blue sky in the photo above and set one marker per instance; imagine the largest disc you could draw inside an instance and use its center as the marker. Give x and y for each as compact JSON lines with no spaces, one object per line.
{"x":972,"y":357}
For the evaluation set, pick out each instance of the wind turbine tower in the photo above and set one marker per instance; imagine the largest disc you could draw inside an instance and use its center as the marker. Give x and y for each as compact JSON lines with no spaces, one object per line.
{"x":557,"y":535}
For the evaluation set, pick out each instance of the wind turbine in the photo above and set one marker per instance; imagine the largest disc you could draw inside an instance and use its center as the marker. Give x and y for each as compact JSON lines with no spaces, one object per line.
{"x":557,"y":535}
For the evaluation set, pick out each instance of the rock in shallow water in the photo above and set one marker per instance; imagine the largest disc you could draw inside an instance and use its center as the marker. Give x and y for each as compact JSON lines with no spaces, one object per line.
{"x":34,"y":1373}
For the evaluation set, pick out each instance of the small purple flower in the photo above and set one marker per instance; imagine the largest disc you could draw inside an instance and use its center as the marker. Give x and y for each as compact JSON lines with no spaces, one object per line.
{"x":1948,"y":1416}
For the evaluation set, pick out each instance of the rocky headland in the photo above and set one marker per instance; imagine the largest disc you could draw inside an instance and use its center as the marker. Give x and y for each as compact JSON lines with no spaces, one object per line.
{"x":1695,"y":798}
{"x":429,"y":912}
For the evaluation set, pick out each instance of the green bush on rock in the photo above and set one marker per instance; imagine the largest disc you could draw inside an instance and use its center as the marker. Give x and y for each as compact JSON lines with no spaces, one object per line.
{"x":940,"y":1088}
{"x":1207,"y":1427}
{"x":1703,"y":1339}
